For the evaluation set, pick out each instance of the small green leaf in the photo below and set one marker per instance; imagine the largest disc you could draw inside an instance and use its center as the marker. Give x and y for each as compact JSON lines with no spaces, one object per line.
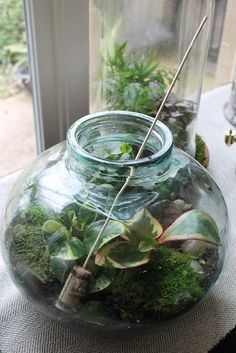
{"x":143,"y":227}
{"x":113,"y":230}
{"x":121,"y":255}
{"x":73,"y":219}
{"x":126,"y":148}
{"x":195,"y":225}
{"x":55,"y":241}
{"x":102,"y":280}
{"x":71,"y":249}
{"x":65,"y":256}
{"x":76,"y":247}
{"x":52,"y":227}
{"x":55,"y":234}
{"x":145,"y":246}
{"x":61,"y":267}
{"x":86,"y":216}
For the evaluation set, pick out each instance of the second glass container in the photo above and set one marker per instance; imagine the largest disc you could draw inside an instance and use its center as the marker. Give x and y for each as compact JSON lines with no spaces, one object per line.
{"x":135,"y":49}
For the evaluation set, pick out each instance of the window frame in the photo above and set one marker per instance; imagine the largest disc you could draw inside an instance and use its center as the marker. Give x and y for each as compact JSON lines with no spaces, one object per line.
{"x":58,"y":43}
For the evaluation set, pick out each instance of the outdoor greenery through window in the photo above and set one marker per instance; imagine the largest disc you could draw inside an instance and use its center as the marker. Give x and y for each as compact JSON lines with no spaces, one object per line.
{"x":13,"y":48}
{"x":17,"y":140}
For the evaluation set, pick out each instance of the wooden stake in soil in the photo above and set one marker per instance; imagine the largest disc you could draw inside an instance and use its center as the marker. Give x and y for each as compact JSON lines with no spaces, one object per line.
{"x":68,"y":287}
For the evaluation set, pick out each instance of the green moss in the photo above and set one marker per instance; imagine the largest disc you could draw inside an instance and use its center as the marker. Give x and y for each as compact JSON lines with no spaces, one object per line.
{"x":34,"y":214}
{"x":28,"y":249}
{"x":161,"y":289}
{"x":27,"y":243}
{"x":201,"y":153}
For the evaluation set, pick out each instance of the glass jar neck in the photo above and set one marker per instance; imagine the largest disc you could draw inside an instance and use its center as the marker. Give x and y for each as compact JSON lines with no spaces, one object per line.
{"x":101,"y":153}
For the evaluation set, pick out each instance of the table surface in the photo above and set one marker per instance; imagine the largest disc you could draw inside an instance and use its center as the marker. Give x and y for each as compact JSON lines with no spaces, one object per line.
{"x":24,"y":330}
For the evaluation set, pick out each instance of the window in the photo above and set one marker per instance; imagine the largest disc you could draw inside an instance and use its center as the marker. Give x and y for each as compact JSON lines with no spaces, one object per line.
{"x":59,"y":36}
{"x":17,"y":136}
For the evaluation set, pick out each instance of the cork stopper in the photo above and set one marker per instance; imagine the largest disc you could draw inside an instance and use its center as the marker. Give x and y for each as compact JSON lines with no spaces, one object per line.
{"x":76,"y":286}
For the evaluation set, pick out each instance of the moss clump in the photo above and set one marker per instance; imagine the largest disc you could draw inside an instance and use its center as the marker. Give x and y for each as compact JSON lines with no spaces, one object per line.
{"x":28,"y":249}
{"x":201,"y":153}
{"x":27,"y":245}
{"x":163,"y":288}
{"x":34,"y":214}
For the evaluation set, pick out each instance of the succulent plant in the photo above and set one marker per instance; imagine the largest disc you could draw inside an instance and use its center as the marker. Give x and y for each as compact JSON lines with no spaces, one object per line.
{"x":144,"y":233}
{"x":122,"y":245}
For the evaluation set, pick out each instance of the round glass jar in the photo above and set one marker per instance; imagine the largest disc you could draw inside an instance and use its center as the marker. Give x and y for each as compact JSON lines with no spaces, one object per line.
{"x":161,"y":252}
{"x":136,"y":47}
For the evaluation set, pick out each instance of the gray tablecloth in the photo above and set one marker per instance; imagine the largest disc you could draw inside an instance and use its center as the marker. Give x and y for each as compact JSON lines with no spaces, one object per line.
{"x":24,"y":330}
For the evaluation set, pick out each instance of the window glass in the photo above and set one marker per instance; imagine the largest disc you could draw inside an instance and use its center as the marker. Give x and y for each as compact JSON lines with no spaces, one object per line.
{"x":17,"y":136}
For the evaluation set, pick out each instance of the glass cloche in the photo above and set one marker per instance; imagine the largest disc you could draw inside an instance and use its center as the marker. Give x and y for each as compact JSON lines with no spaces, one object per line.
{"x":159,"y":255}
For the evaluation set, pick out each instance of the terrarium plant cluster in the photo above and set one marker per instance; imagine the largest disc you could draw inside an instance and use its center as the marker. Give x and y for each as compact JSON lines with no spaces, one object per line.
{"x":139,"y":84}
{"x":150,"y":267}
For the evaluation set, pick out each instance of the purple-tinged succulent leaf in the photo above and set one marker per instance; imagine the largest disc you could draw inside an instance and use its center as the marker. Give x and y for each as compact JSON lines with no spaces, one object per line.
{"x":121,"y":255}
{"x":195,"y":225}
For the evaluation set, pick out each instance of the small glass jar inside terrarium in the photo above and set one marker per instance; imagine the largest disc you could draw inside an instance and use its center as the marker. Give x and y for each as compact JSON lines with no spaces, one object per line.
{"x":162,"y":250}
{"x":136,"y":47}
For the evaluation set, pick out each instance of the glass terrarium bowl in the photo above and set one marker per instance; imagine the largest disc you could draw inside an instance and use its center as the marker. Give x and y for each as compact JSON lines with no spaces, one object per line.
{"x":159,"y":255}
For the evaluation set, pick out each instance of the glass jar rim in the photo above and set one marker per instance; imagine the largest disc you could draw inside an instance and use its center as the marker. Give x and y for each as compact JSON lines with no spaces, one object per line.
{"x":163,"y":152}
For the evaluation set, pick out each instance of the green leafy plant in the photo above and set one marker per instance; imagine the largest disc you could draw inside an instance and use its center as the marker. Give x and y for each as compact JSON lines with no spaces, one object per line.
{"x":122,"y":245}
{"x":144,"y":234}
{"x":66,"y":250}
{"x":139,"y":84}
{"x":125,"y":153}
{"x":136,"y":85}
{"x":138,"y":267}
{"x":116,"y":151}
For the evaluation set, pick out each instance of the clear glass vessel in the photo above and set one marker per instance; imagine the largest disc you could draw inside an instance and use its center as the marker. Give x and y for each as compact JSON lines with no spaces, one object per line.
{"x":135,"y":49}
{"x":162,"y":250}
